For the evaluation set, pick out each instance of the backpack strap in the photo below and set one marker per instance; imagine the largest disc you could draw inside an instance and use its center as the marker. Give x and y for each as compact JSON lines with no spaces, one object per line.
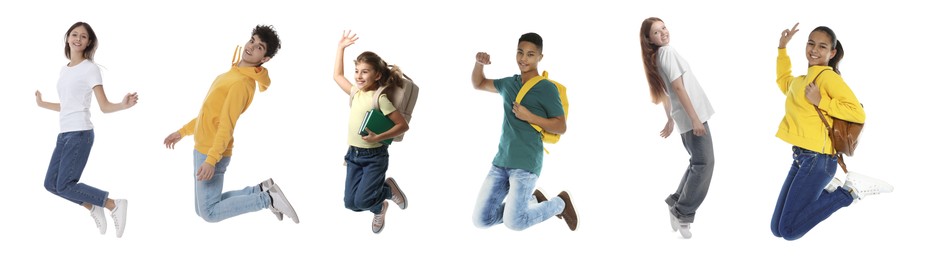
{"x":526,"y":88}
{"x":840,"y":157}
{"x":375,"y":97}
{"x":523,"y":92}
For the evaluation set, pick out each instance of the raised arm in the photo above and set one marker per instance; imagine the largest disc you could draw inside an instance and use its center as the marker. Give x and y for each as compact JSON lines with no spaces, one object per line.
{"x":347,"y":39}
{"x":479,"y":81}
{"x":47,"y":105}
{"x":783,"y":63}
{"x":107,"y":107}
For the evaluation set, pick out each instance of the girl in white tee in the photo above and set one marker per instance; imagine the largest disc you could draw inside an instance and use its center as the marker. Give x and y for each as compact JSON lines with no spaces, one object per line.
{"x":673,"y":83}
{"x":77,"y":80}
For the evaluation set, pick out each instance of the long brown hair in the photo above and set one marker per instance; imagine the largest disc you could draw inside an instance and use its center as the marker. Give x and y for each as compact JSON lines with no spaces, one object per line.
{"x":390,"y":75}
{"x":648,"y":49}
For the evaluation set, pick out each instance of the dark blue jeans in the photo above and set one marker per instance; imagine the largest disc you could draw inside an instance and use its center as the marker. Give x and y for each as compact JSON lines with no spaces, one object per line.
{"x":803,"y":202}
{"x":365,"y":178}
{"x":64,"y":171}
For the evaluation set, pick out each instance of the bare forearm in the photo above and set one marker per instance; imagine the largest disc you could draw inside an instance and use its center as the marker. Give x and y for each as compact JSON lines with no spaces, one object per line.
{"x":685,"y":101}
{"x":338,"y":66}
{"x":556,"y":125}
{"x":50,"y":106}
{"x":108,"y":107}
{"x":478,"y":75}
{"x":667,"y":107}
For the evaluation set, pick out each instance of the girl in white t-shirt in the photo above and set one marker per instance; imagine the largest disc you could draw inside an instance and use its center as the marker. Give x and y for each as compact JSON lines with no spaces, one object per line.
{"x":673,"y":83}
{"x":77,"y":80}
{"x":367,"y":189}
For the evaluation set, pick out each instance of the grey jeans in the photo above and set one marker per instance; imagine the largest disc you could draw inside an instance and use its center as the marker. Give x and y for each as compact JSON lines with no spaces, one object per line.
{"x":694,"y":185}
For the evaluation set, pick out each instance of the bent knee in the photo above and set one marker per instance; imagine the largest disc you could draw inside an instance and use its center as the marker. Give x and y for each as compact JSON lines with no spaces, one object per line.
{"x":515,"y":224}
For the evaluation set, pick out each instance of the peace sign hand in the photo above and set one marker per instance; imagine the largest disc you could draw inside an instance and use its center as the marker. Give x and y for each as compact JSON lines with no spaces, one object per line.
{"x":787,"y":35}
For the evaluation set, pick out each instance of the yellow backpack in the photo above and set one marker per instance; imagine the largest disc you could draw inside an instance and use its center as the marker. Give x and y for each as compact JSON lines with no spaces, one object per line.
{"x":548,"y":137}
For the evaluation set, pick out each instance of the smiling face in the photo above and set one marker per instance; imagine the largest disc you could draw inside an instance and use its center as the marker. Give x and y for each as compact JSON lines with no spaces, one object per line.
{"x":78,"y":39}
{"x":820,"y":48}
{"x":659,"y":36}
{"x":366,"y":76}
{"x":528,"y":56}
{"x":254,"y":53}
{"x":80,"y":42}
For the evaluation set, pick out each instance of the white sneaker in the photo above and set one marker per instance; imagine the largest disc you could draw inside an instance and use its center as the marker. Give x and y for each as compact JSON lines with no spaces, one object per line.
{"x":673,"y":222}
{"x":99,"y":218}
{"x":861,"y":185}
{"x":684,"y":230}
{"x":119,"y":216}
{"x":280,"y":203}
{"x":834,"y":184}
{"x":264,"y":186}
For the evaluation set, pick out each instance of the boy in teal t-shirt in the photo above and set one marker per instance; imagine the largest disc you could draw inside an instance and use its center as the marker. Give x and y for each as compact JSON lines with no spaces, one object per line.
{"x":519,"y":161}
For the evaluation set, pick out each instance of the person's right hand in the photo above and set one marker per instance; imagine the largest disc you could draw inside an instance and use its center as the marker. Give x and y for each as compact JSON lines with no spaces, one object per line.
{"x":787,"y":36}
{"x":348,"y":39}
{"x":38,"y":98}
{"x":483,"y":58}
{"x":667,"y":130}
{"x":172,"y":139}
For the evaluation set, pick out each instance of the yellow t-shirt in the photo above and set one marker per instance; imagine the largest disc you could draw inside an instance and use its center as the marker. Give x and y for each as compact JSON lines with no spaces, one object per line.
{"x":361,"y":104}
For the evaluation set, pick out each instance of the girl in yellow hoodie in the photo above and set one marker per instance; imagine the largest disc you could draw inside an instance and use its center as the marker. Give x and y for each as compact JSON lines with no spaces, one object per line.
{"x":367,"y":158}
{"x":806,"y":197}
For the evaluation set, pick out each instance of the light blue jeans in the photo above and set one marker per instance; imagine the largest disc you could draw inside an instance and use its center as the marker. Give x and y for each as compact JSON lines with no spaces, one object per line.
{"x":521,"y":209}
{"x":214,"y":205}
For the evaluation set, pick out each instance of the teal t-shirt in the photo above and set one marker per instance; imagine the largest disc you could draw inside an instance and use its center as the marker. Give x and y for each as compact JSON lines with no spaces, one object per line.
{"x":521,"y":146}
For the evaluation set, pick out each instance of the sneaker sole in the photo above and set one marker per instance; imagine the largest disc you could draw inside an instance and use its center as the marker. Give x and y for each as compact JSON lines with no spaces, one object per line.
{"x":286,"y":203}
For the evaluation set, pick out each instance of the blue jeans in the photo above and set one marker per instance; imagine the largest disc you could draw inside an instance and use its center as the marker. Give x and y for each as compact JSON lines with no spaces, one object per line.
{"x":214,"y":205}
{"x":521,"y":209}
{"x":64,"y":170}
{"x":365,"y":178}
{"x":697,"y":178}
{"x":803,"y":202}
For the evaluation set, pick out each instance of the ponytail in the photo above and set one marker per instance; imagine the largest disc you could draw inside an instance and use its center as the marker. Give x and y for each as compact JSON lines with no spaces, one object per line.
{"x":835,"y":62}
{"x":395,"y":77}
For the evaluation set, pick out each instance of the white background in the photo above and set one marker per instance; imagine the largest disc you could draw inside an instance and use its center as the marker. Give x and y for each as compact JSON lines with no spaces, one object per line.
{"x":612,"y":160}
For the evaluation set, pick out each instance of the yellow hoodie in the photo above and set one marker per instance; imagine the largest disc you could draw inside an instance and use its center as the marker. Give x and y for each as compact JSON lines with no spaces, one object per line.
{"x":229,"y":96}
{"x":801,"y":125}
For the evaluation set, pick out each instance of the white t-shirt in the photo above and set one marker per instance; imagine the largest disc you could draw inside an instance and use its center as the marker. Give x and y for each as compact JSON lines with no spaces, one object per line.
{"x":671,"y":67}
{"x":75,"y":86}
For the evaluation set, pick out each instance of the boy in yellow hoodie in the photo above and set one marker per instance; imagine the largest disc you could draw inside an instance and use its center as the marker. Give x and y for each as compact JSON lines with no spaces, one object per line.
{"x":229,"y":96}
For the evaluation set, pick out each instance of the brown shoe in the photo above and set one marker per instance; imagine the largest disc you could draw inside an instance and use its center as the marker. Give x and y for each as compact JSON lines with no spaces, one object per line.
{"x":539,"y":195}
{"x":396,"y":194}
{"x":378,"y":222}
{"x":568,"y":213}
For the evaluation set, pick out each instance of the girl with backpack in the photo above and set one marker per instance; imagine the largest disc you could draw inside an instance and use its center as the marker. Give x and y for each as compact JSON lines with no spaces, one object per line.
{"x":367,"y":158}
{"x":673,"y":83}
{"x":810,"y":193}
